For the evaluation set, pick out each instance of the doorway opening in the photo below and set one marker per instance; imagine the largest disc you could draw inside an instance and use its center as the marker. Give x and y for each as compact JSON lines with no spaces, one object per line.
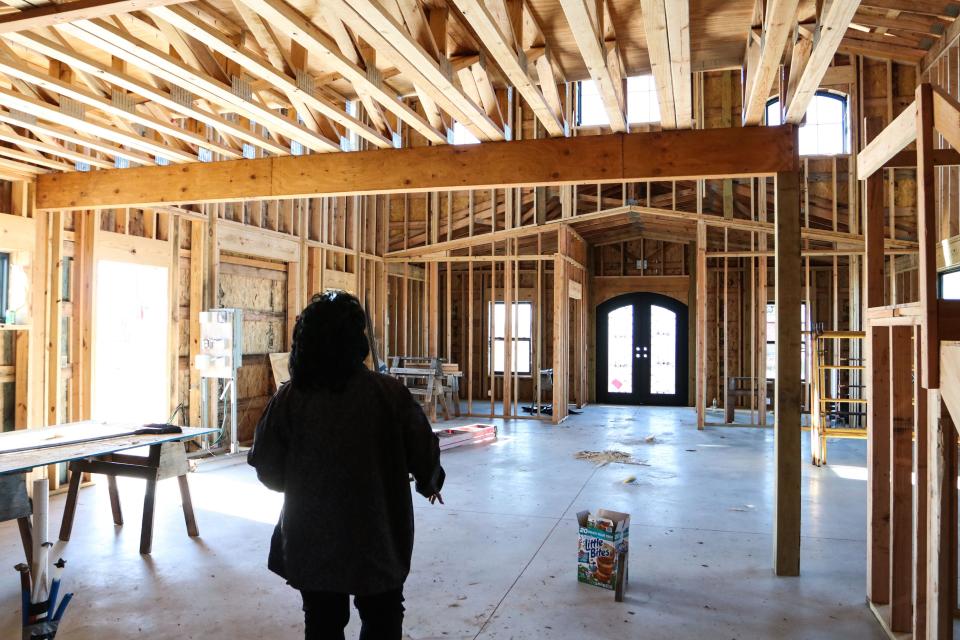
{"x":130,"y":376}
{"x":642,"y":350}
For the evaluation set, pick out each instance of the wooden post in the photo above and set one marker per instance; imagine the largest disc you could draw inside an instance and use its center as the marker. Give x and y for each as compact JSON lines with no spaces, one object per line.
{"x":941,"y":457}
{"x":927,"y":235}
{"x":874,"y":236}
{"x":173,"y":296}
{"x":878,"y":464}
{"x":920,"y":489}
{"x":787,"y":407}
{"x":560,"y":346}
{"x":701,"y":269}
{"x":197,"y":251}
{"x":55,"y":292}
{"x":433,"y":306}
{"x":508,"y":330}
{"x":900,"y":461}
{"x":38,"y":299}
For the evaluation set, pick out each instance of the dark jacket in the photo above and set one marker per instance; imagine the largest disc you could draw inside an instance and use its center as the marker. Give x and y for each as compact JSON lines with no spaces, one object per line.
{"x":342,"y":461}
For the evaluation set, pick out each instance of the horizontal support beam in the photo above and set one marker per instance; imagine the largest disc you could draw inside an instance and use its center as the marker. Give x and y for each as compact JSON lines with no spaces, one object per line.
{"x":898,"y":134}
{"x":664,"y":155}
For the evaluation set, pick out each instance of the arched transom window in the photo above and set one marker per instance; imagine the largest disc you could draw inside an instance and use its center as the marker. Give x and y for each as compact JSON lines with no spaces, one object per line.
{"x":826,"y":130}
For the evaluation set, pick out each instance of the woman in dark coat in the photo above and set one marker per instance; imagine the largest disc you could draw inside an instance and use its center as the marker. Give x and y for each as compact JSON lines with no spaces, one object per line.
{"x":340,"y":442}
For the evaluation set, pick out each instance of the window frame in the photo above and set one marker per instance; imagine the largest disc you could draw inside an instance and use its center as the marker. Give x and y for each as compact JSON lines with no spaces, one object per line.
{"x":941,"y":276}
{"x":844,"y":101}
{"x":493,"y":338}
{"x":578,"y":120}
{"x":772,"y":339}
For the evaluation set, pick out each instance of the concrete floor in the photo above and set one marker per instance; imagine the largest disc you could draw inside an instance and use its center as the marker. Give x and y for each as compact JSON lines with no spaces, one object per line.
{"x":499,"y":560}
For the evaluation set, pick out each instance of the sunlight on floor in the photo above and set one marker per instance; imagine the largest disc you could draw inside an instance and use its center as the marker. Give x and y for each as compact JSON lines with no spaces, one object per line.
{"x":848,"y":472}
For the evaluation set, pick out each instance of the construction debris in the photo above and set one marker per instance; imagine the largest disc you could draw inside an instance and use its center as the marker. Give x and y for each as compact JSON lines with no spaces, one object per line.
{"x":608,"y":456}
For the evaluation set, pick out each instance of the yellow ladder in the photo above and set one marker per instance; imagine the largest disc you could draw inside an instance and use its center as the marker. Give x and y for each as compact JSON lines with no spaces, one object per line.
{"x":820,"y":410}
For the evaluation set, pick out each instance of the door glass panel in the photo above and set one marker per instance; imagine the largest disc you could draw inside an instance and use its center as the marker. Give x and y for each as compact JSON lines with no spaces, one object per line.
{"x":620,"y":350}
{"x":663,"y":351}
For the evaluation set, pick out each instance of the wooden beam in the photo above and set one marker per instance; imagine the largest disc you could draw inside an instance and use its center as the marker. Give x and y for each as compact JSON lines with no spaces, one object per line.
{"x":946,"y":117}
{"x":700,"y":274}
{"x":788,"y":272}
{"x":102,"y":35}
{"x":330,"y":55}
{"x":46,"y":111}
{"x":898,"y":134}
{"x":196,"y":28}
{"x":928,"y":237}
{"x":830,"y":31}
{"x":8,"y":135}
{"x":941,"y":494}
{"x":52,"y":15}
{"x":763,"y":66}
{"x":666,"y":27}
{"x":928,"y":7}
{"x":678,"y":38}
{"x":82,"y":63}
{"x":920,"y":490}
{"x":372,"y":22}
{"x":901,"y":464}
{"x":16,"y":69}
{"x":511,"y":61}
{"x":586,"y":27}
{"x":555,"y":161}
{"x":66,"y":134}
{"x":878,"y":464}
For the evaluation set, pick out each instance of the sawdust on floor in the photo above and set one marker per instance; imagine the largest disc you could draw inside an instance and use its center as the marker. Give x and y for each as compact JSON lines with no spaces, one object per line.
{"x":607,"y":457}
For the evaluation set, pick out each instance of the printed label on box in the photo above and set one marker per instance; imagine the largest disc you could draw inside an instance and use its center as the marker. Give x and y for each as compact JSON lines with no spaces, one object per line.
{"x":603,"y":539}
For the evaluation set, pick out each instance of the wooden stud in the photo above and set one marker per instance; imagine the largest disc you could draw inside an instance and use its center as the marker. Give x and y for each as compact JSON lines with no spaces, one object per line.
{"x":878,"y":464}
{"x":901,"y":450}
{"x":927,"y":232}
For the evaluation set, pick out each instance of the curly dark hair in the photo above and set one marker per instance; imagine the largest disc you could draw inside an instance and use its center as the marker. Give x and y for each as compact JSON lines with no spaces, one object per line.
{"x":329,"y":342}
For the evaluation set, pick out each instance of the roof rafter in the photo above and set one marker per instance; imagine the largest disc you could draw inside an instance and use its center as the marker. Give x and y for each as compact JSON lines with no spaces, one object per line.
{"x":285,"y":18}
{"x":80,"y":62}
{"x":67,"y":135}
{"x":587,"y":30}
{"x":78,"y":123}
{"x":122,"y":45}
{"x":830,"y":32}
{"x":379,"y":28}
{"x":7,"y":134}
{"x":51,"y":15}
{"x":512,"y":62}
{"x":763,"y":56}
{"x":17,"y":69}
{"x":666,"y":25}
{"x":263,"y":69}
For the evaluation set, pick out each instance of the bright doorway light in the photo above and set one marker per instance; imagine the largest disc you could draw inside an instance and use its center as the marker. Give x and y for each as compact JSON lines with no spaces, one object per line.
{"x":130,"y":379}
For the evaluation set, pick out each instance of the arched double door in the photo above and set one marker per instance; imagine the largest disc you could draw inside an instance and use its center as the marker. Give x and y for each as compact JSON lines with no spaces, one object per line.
{"x":642,"y":350}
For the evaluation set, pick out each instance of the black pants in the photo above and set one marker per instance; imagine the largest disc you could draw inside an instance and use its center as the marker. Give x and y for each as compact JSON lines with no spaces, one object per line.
{"x":326,"y":614}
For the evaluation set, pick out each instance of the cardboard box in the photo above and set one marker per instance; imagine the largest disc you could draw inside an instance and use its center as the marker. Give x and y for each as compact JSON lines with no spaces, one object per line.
{"x":602,"y":548}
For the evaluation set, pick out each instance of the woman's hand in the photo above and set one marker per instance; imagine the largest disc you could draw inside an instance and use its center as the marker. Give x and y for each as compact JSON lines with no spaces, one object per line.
{"x":436,"y":498}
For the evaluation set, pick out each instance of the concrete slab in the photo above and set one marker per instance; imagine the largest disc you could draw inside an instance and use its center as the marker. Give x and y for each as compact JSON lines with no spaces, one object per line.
{"x":498,"y":561}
